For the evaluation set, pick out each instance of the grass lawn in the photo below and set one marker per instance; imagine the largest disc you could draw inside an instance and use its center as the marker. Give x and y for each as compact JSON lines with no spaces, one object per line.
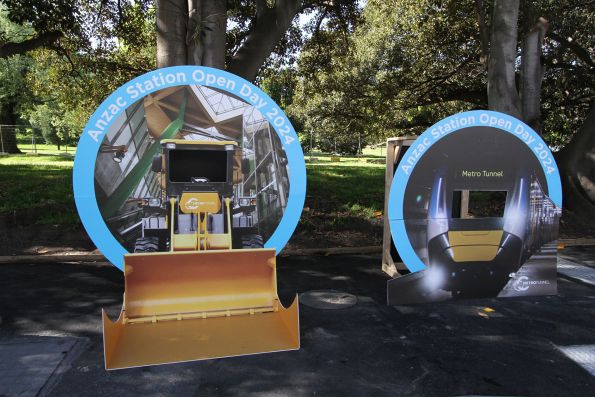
{"x":40,"y":185}
{"x":344,"y":202}
{"x":353,"y":186}
{"x":28,"y":147}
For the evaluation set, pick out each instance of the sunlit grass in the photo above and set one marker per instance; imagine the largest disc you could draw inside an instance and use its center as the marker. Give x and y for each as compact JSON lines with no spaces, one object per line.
{"x":38,"y":182}
{"x":38,"y":161}
{"x":45,"y":149}
{"x":353,"y":186}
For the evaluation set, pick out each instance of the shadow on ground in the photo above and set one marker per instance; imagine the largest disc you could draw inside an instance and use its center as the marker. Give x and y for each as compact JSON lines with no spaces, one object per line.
{"x":441,"y":349}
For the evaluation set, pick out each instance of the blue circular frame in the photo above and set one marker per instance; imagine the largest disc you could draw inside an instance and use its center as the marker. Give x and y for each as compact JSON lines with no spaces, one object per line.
{"x":401,"y":177}
{"x":118,"y":101}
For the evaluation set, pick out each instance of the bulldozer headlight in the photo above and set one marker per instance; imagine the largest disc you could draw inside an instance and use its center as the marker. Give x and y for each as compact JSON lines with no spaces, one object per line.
{"x":154,"y":202}
{"x":247,"y":201}
{"x":118,"y":156}
{"x":170,"y":145}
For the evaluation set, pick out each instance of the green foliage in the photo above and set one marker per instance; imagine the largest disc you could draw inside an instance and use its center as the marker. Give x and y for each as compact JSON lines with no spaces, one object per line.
{"x":279,"y":85}
{"x":410,"y":63}
{"x":568,"y":87}
{"x":15,"y":93}
{"x":104,"y":44}
{"x":42,"y":117}
{"x":382,"y":79}
{"x":57,"y":126}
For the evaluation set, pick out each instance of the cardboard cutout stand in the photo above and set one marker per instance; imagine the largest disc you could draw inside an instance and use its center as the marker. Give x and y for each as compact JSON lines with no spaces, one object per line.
{"x":473,"y":209}
{"x":181,"y":164}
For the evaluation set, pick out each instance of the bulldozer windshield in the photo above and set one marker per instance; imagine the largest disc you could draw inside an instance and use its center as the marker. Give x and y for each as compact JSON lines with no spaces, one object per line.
{"x":184,"y":165}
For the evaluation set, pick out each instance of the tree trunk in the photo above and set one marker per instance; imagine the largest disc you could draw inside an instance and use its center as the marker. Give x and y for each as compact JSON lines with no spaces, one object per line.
{"x":8,"y":138}
{"x":483,"y":31}
{"x":271,"y":25}
{"x":206,"y":33}
{"x":502,"y":90}
{"x":193,"y":29}
{"x":194,"y":32}
{"x":8,"y":141}
{"x":532,"y":75}
{"x":577,"y":168}
{"x":171,"y":21}
{"x":191,"y":32}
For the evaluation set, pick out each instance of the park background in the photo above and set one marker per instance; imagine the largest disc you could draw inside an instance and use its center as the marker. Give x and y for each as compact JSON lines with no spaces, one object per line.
{"x":349,"y":74}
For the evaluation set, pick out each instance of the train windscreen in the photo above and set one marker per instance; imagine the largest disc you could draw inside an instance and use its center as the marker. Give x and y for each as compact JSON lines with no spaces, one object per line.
{"x":481,"y":203}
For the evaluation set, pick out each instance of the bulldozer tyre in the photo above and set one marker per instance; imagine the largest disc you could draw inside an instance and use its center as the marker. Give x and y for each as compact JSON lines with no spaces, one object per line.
{"x":252,"y":241}
{"x":146,"y":244}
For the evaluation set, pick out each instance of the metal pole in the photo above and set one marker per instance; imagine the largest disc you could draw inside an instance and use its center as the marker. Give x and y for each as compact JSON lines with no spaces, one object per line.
{"x":359,"y":143}
{"x":1,"y":138}
{"x":310,"y":145}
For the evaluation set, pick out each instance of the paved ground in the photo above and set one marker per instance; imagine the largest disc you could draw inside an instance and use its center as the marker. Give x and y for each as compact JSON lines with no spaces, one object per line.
{"x":441,"y":349}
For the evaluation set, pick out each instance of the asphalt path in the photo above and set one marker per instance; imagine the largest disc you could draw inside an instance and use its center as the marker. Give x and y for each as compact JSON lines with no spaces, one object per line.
{"x":504,"y":346}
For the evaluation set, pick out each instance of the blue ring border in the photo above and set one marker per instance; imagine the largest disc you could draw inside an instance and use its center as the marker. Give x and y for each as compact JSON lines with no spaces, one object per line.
{"x":88,"y":148}
{"x":401,"y":179}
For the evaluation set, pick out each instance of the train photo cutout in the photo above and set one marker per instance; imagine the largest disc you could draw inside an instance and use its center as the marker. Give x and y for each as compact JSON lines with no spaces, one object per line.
{"x":474,"y":209}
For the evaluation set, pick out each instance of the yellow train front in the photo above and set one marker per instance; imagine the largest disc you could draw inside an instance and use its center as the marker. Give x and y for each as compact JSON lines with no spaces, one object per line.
{"x":474,"y":257}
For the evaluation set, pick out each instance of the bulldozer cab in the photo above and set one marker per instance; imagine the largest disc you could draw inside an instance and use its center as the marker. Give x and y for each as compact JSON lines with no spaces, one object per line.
{"x":188,"y":294}
{"x":199,"y":166}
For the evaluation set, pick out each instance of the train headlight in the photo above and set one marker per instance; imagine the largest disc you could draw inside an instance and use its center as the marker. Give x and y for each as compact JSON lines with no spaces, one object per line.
{"x":434,"y":278}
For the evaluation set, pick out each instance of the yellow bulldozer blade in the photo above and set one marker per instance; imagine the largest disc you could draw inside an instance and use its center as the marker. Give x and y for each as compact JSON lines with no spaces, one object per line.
{"x":185,"y":306}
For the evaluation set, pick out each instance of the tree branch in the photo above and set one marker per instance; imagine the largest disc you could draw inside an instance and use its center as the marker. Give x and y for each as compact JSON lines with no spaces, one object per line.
{"x":320,"y":19}
{"x":576,"y":49}
{"x":261,"y":7}
{"x":465,"y":94}
{"x":483,"y":31}
{"x":532,"y":74}
{"x":268,"y":30}
{"x":502,"y":92}
{"x":43,"y":40}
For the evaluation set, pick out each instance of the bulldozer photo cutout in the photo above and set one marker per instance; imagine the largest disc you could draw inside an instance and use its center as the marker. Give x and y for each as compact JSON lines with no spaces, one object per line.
{"x":191,"y":180}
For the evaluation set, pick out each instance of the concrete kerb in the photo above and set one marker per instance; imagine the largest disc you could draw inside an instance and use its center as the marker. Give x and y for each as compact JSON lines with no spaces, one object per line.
{"x":33,"y":259}
{"x":89,"y":257}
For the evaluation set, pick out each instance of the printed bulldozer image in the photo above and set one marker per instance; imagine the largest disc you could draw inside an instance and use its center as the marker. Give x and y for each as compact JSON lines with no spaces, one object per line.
{"x":199,"y":284}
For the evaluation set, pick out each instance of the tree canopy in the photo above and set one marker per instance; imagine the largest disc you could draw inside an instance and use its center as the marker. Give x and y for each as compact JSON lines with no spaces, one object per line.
{"x":347,"y":72}
{"x":410,"y":63}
